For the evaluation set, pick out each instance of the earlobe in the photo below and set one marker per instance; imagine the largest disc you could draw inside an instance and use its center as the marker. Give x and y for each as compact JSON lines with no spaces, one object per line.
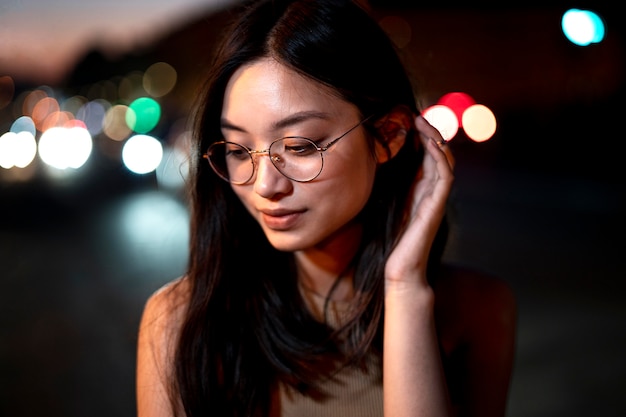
{"x":392,"y":130}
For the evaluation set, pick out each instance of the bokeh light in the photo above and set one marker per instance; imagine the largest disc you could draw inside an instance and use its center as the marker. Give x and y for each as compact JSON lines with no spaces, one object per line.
{"x":17,"y":149}
{"x":582,"y":27}
{"x":24,"y":124}
{"x":63,"y":148}
{"x":30,"y":101}
{"x":56,"y":119}
{"x":443,"y":119}
{"x":479,"y":123}
{"x":143,"y":114}
{"x":142,"y":154}
{"x":118,"y":115}
{"x":159,"y":79}
{"x":458,"y":110}
{"x":92,"y":113}
{"x":458,"y":102}
{"x":64,"y":129}
{"x":74,"y":103}
{"x":42,"y":109}
{"x":114,"y":125}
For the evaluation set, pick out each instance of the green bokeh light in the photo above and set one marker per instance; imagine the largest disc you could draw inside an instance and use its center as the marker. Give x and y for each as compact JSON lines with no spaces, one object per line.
{"x":143,"y":114}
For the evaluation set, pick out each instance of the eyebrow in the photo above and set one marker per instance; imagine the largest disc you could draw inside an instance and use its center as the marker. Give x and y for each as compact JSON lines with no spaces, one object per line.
{"x":288,"y":121}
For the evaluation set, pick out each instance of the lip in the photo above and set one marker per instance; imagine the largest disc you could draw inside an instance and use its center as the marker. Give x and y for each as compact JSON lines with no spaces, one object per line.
{"x":280,"y":219}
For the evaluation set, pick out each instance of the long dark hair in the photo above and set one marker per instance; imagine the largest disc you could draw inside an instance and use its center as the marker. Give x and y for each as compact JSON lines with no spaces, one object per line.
{"x":246,"y":328}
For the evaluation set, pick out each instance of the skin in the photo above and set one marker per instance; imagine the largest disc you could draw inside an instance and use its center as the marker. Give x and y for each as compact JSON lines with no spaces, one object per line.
{"x":264,"y":101}
{"x":321,"y":232}
{"x":413,"y":378}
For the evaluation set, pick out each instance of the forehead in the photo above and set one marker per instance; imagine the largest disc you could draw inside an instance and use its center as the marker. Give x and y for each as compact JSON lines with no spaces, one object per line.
{"x":270,"y":89}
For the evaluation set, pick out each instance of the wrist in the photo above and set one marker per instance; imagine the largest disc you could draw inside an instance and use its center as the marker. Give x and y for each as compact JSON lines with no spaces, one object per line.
{"x":412,"y":290}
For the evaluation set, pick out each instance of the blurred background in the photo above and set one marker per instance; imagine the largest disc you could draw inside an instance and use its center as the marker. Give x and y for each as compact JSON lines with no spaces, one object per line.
{"x":95,"y":99}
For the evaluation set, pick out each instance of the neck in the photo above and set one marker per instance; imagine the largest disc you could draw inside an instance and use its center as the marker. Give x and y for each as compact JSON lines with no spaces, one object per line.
{"x":319,"y":267}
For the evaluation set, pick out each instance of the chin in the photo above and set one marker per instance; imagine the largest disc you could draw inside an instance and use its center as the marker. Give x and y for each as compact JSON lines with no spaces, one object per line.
{"x":287,"y":246}
{"x":284,"y":243}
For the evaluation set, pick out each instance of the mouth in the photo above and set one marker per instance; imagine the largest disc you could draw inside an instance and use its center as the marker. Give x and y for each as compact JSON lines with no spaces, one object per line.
{"x":281,"y":219}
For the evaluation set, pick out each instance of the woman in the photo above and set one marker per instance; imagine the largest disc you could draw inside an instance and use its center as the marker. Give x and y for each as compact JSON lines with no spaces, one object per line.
{"x":318,"y":205}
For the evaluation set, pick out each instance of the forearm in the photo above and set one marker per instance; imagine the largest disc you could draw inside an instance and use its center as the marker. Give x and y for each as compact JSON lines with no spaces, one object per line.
{"x":413,"y":378}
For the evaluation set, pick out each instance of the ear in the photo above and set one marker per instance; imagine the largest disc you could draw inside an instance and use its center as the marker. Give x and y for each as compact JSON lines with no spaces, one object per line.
{"x":392,"y":131}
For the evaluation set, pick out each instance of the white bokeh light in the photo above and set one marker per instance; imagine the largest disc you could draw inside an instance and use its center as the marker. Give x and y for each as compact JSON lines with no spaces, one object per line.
{"x":63,"y":148}
{"x":142,"y":154}
{"x":443,"y":119}
{"x":17,"y":149}
{"x":479,"y":123}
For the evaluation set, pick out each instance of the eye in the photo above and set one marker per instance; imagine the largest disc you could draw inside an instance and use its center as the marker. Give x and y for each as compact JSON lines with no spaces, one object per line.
{"x":234,"y":151}
{"x":300,"y":147}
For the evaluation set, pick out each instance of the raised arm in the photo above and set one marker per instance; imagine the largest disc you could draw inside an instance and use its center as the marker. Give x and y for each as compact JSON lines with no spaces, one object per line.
{"x":413,"y":377}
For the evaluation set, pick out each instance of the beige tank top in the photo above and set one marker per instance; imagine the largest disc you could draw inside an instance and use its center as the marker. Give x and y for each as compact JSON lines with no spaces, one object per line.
{"x":354,"y":392}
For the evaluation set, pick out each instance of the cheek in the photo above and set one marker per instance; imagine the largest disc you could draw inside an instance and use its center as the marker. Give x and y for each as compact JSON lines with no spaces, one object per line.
{"x":355,"y":169}
{"x":352,"y":180}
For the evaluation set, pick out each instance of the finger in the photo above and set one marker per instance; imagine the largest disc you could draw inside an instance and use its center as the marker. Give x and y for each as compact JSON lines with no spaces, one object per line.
{"x":441,"y":154}
{"x":435,"y":166}
{"x":435,"y":174}
{"x":445,"y":148}
{"x":428,"y":132}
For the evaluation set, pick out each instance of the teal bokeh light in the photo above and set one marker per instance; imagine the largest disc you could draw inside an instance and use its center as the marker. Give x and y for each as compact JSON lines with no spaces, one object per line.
{"x":582,"y":27}
{"x":143,"y":114}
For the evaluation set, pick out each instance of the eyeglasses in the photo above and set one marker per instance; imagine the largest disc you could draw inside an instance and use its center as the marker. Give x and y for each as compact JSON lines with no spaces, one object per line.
{"x":296,"y":157}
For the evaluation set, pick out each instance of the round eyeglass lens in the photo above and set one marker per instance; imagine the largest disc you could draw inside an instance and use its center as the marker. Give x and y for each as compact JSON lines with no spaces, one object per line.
{"x":231,"y":161}
{"x":296,"y":158}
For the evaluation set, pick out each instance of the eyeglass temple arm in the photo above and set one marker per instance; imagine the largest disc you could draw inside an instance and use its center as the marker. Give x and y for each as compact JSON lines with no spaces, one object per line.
{"x":331,"y":143}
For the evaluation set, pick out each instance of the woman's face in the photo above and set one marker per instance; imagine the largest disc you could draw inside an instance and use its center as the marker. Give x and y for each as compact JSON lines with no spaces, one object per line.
{"x":265,"y":101}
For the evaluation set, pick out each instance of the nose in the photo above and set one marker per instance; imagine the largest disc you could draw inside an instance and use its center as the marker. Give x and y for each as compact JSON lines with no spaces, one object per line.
{"x":269,"y":182}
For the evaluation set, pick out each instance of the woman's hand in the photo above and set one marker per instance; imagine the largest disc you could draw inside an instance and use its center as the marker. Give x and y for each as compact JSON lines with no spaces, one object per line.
{"x":408,"y":260}
{"x":413,"y":379}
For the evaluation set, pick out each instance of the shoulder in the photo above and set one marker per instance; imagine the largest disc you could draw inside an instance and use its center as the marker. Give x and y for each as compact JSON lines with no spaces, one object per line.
{"x":162,"y":318}
{"x":160,"y":325}
{"x":165,"y":308}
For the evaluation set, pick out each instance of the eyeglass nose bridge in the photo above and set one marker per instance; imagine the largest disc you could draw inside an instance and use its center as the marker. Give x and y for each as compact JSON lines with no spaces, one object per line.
{"x":274,"y":159}
{"x":253,"y":152}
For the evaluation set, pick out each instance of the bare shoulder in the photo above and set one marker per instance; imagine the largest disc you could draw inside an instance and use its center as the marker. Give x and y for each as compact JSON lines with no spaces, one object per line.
{"x":160,"y":326}
{"x":164,"y":310}
{"x":158,"y":332}
{"x":167,"y":302}
{"x":174,"y":294}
